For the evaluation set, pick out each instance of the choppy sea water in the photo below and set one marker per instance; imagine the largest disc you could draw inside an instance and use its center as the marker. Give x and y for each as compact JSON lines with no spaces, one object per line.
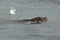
{"x":25,"y":9}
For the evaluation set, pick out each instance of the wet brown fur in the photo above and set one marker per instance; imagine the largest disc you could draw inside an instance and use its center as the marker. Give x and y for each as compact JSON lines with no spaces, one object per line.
{"x":36,"y":20}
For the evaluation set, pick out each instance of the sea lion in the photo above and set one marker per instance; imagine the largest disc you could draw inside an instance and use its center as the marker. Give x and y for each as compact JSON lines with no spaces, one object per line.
{"x":36,"y":20}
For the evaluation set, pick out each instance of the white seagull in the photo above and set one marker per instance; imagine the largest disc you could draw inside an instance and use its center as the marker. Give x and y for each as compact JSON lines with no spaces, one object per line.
{"x":12,"y":11}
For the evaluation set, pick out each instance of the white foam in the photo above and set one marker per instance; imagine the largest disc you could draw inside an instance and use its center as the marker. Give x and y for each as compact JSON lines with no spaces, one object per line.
{"x":12,"y":11}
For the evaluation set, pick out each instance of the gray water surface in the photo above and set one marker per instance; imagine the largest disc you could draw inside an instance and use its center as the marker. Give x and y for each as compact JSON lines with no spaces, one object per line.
{"x":25,"y":9}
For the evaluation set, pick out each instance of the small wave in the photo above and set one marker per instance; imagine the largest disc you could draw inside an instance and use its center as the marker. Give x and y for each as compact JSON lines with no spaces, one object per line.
{"x":36,"y":35}
{"x":3,"y":21}
{"x":3,"y":28}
